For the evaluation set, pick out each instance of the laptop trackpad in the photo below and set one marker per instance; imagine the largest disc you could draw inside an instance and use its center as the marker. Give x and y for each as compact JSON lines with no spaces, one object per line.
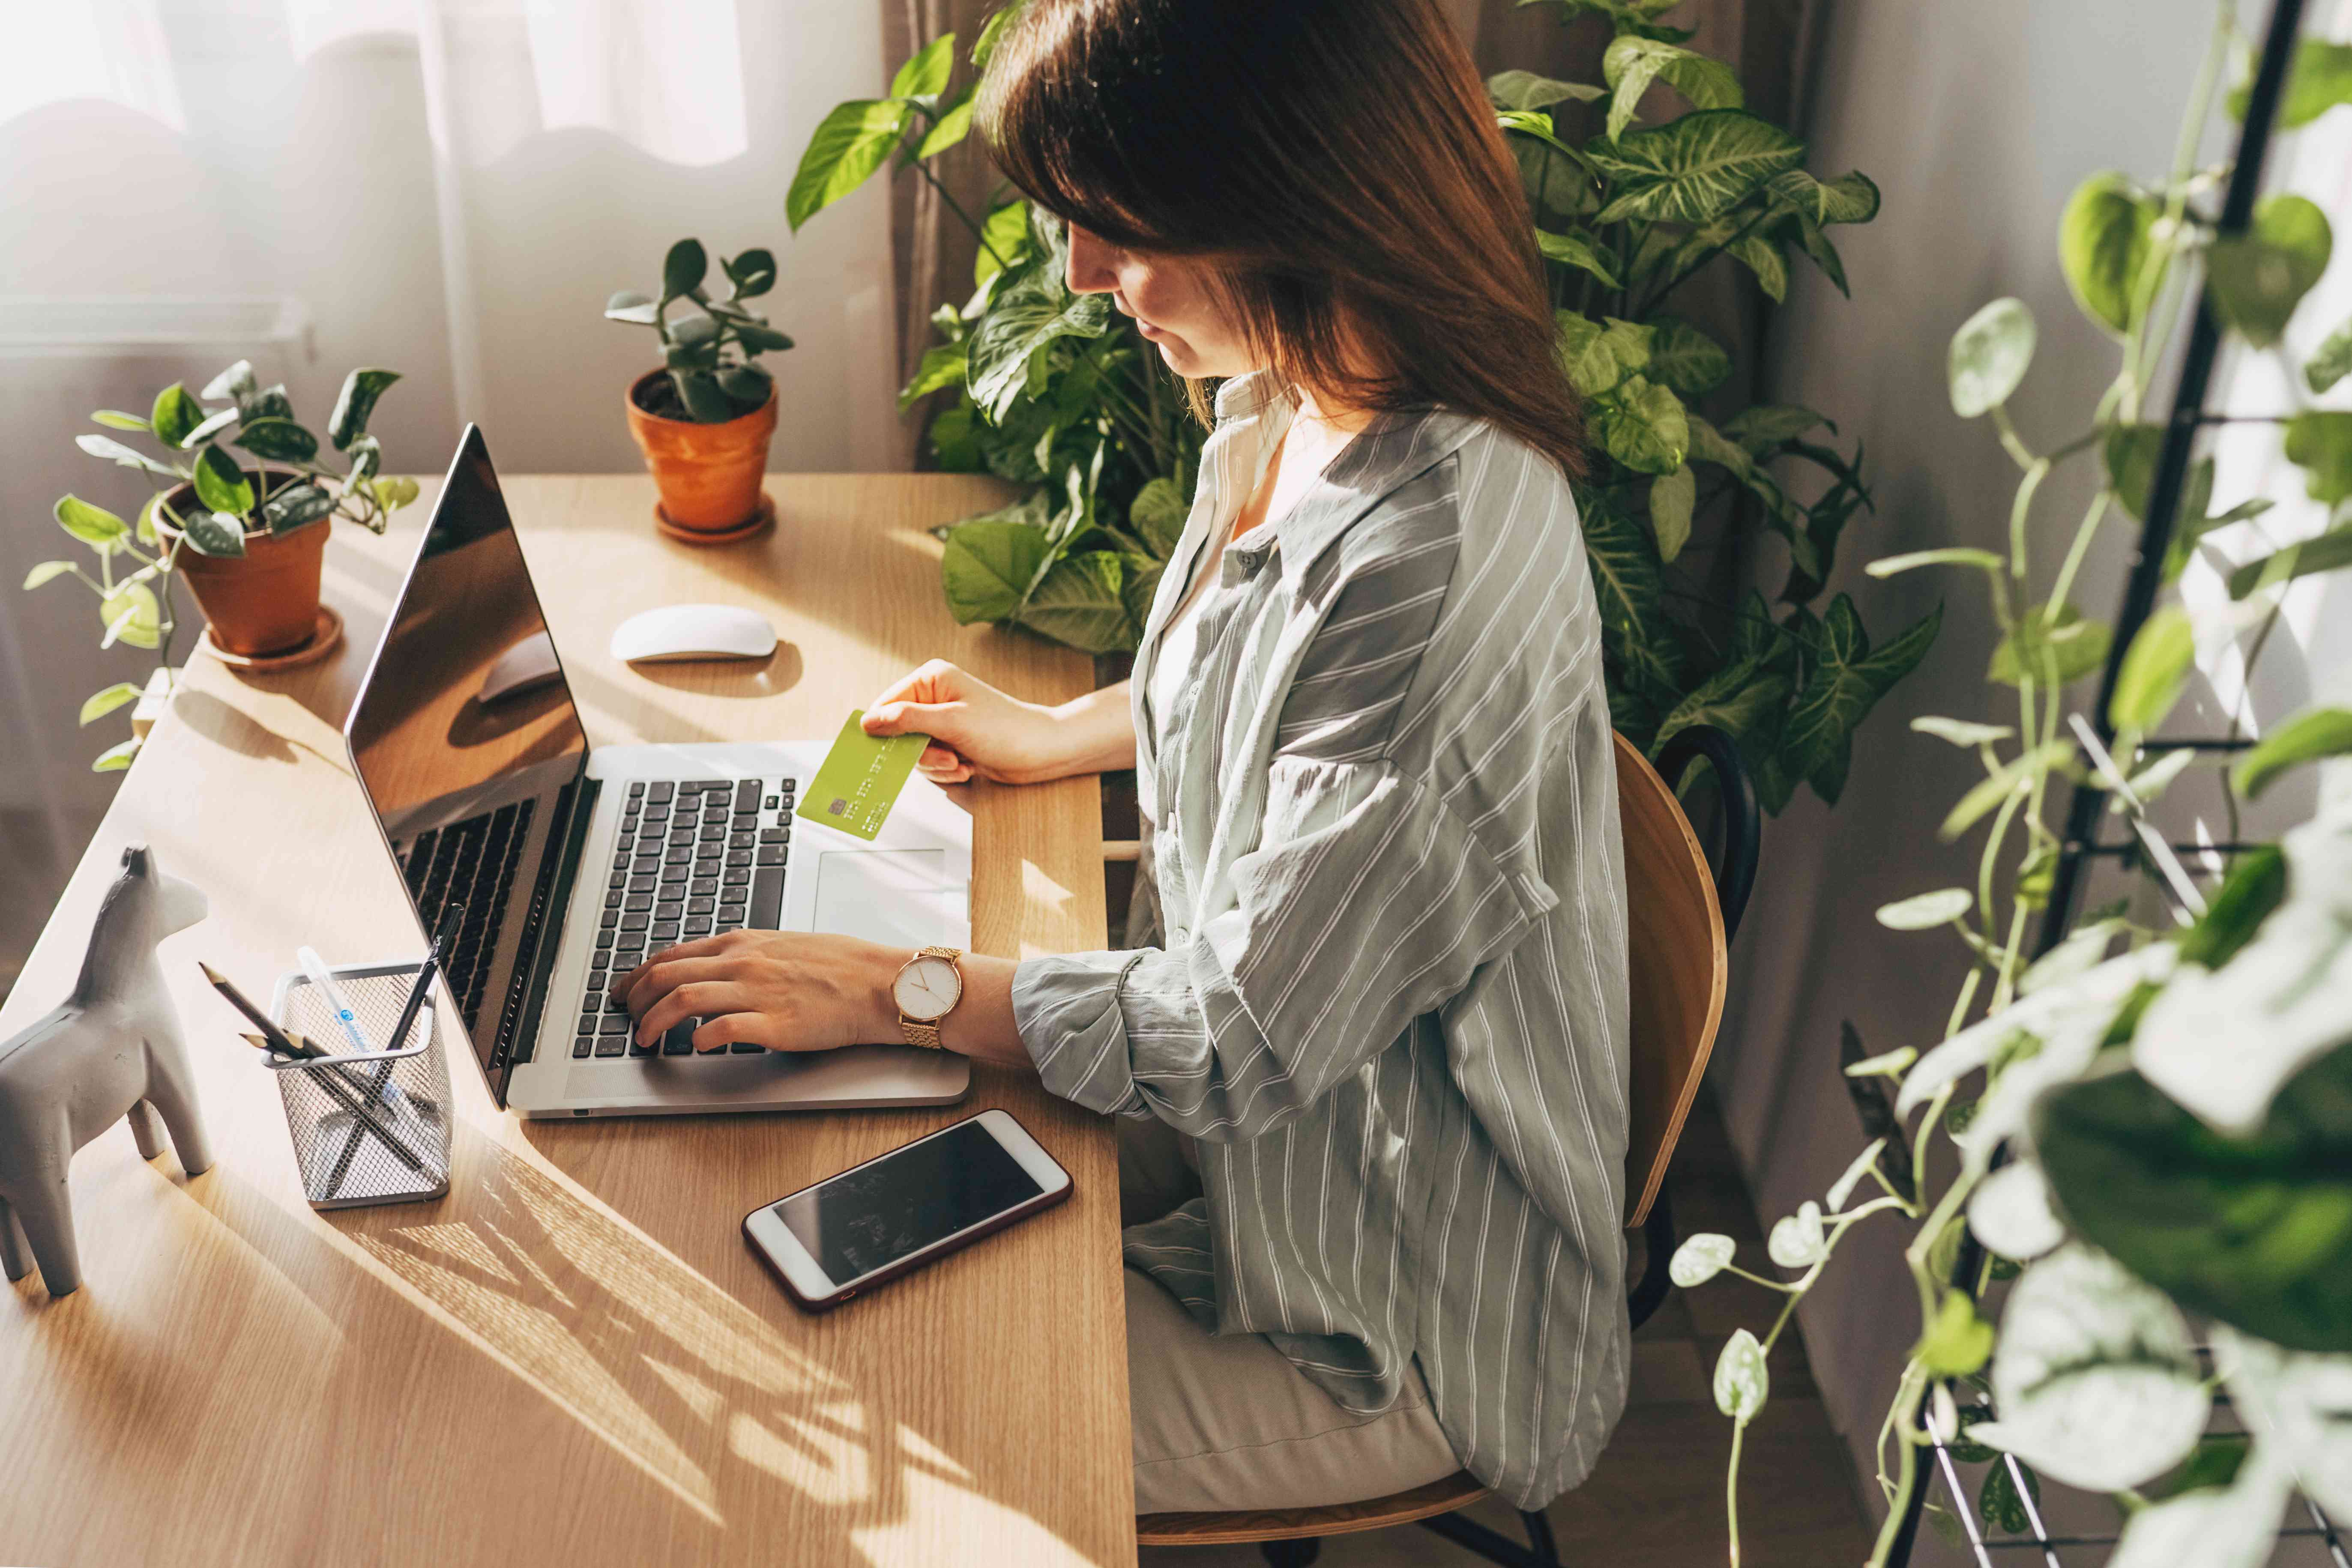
{"x":904,"y":898}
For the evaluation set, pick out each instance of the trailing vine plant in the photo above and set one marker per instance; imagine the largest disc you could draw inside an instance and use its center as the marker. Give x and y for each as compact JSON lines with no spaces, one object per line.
{"x":2167,"y":1131}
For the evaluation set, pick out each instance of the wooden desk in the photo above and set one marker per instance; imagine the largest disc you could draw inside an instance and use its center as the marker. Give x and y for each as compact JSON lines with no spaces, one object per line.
{"x":572,"y":1359}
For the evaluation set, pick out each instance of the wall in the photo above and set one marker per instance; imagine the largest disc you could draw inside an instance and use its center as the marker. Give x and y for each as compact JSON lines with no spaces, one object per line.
{"x":1976,"y":121}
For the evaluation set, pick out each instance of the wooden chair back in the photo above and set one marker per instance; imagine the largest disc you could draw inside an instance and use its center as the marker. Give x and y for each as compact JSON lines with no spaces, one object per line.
{"x":1677,"y":963}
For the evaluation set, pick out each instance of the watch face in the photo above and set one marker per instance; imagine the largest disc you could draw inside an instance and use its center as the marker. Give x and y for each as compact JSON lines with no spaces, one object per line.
{"x":926,"y":988}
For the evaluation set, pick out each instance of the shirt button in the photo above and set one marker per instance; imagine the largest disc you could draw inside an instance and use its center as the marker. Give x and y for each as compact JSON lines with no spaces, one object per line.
{"x":1177,"y":936}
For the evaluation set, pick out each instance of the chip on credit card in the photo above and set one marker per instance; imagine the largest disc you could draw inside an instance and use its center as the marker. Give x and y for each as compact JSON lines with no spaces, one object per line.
{"x":859,"y":780}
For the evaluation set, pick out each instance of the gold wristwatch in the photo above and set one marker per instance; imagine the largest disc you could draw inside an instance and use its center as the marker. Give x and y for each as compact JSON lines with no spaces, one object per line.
{"x":928,"y":989}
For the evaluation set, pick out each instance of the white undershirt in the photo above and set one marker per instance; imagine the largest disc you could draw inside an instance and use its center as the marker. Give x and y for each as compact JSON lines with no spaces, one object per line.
{"x":1180,"y":640}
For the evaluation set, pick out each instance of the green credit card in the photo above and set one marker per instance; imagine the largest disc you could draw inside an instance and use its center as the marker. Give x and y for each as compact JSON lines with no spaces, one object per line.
{"x":860,"y":778}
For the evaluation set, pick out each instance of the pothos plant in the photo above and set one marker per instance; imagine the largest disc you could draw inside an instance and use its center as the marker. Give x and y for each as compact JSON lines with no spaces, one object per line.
{"x":289,"y":486}
{"x":2164,"y":1134}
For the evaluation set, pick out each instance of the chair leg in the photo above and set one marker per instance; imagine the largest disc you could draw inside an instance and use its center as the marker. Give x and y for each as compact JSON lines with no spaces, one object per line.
{"x":1295,"y":1554}
{"x":1473,"y":1536}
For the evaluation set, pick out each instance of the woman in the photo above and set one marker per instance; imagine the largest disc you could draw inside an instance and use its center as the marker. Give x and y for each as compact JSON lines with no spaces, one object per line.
{"x":1387,"y":1012}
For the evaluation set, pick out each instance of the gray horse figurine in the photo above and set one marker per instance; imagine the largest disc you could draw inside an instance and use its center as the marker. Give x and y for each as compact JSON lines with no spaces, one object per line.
{"x":112,"y":1051}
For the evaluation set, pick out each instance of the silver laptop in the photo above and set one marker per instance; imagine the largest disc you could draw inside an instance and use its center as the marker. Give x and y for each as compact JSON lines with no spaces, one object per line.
{"x":554,"y":865}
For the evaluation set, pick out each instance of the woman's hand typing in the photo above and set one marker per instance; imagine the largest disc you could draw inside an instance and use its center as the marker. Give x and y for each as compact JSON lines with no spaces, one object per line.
{"x":980,"y":732}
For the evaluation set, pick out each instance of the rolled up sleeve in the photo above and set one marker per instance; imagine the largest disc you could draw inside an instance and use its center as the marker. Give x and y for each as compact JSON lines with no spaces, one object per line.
{"x":1367,"y":903}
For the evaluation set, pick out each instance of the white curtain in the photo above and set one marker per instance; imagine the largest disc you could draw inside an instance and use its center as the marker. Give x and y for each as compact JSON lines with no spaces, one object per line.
{"x":451,"y":188}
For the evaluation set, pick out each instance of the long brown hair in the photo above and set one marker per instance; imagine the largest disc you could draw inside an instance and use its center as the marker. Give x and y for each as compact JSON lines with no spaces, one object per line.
{"x":1338,"y":162}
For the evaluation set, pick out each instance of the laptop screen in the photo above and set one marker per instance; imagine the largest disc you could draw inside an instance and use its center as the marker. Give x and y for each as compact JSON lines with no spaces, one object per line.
{"x":466,"y":709}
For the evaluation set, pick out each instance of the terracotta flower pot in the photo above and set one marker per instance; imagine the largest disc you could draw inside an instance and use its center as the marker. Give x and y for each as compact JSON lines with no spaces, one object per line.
{"x":708,"y":475}
{"x":263,"y":601}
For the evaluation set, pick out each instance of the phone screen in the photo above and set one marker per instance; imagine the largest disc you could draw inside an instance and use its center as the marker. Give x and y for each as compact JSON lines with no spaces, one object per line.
{"x":868,"y":1218}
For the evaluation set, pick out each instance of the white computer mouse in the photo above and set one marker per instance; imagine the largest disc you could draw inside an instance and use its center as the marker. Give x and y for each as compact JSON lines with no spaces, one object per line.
{"x":694,"y":631}
{"x":528,"y":666}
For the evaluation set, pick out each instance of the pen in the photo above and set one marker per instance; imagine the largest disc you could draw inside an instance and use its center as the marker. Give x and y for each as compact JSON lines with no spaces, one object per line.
{"x":314,"y":968}
{"x":302,"y":1049}
{"x":276,"y":1037}
{"x":450,"y":920}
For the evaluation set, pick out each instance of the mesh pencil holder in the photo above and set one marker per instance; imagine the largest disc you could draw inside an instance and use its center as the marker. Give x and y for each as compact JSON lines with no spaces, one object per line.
{"x":368,"y":1127}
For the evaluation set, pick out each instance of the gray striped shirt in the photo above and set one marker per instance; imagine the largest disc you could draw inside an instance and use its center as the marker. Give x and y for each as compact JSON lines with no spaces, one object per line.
{"x":1389,"y":1000}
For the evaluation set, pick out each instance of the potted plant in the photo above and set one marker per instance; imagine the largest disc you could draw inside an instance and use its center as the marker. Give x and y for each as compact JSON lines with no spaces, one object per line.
{"x":239,"y":528}
{"x":705,"y":418}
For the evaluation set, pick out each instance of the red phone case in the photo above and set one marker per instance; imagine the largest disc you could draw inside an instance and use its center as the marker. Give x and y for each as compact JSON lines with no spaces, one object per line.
{"x":1037,"y":1205}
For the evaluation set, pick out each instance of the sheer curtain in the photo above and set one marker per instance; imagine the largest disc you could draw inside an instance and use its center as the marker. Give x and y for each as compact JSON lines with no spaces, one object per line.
{"x":447,"y":187}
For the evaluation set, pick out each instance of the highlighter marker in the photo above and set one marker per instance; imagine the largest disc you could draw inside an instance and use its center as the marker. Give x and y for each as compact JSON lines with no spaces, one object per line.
{"x":314,"y":968}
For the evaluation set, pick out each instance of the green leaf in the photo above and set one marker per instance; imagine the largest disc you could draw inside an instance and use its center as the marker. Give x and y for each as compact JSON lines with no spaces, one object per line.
{"x":214,"y":533}
{"x":2079,"y":647}
{"x":1003,"y":237}
{"x":1761,"y":429}
{"x":1742,"y":1383}
{"x":638,"y":309}
{"x":91,"y":525}
{"x":2320,"y":79}
{"x":115,"y":418}
{"x":131,"y":615}
{"x":953,"y":126}
{"x":749,"y":385}
{"x":1138,"y":581}
{"x":1078,"y":601}
{"x":1850,"y":198}
{"x":1763,"y":258}
{"x":1950,"y":555}
{"x":1157,"y":514}
{"x":278,"y":440}
{"x":699,"y":390}
{"x":2256,"y":1231}
{"x":1699,"y":1258}
{"x":752,"y":272}
{"x":1641,"y":426}
{"x":2308,"y":737}
{"x":265,"y":403}
{"x":851,"y":143}
{"x":1026,"y":318}
{"x":1672,"y":496}
{"x":2256,"y":886}
{"x":1958,"y":1343}
{"x":1961,"y":731}
{"x":942,"y":366}
{"x":2327,"y":553}
{"x":235,"y":383}
{"x":2103,"y":246}
{"x":684,"y":268}
{"x":47,"y":571}
{"x":985,"y":46}
{"x":2257,"y":278}
{"x":292,"y":506}
{"x":1576,"y":250}
{"x":1525,"y":89}
{"x":2154,"y":667}
{"x":146,"y":527}
{"x":1597,"y":355}
{"x":175,"y":413}
{"x":1737,"y":699}
{"x":1999,"y":1504}
{"x":2007,"y":779}
{"x":1988,"y":357}
{"x":758,"y":337}
{"x":116,"y":758}
{"x":220,"y":484}
{"x":114,"y":452}
{"x":355,"y":403}
{"x":1630,"y":589}
{"x":1693,"y":168}
{"x":2320,"y":442}
{"x":990,"y":563}
{"x":212,"y":425}
{"x":1685,"y":358}
{"x":2131,"y":453}
{"x":2332,"y":362}
{"x":100,"y":703}
{"x":926,"y":72}
{"x":1632,"y":62}
{"x":1538,"y":128}
{"x":1844,"y":682}
{"x":1926,"y":911}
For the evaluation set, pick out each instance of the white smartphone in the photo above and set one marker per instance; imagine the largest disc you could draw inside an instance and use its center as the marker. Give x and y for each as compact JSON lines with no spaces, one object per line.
{"x":901,"y":1210}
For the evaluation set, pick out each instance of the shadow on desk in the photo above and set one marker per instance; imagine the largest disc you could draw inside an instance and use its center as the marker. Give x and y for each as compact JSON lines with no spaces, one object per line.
{"x":645,"y":1358}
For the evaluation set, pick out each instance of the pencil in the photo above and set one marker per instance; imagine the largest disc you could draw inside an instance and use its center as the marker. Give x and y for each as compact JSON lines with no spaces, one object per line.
{"x":296,"y":1046}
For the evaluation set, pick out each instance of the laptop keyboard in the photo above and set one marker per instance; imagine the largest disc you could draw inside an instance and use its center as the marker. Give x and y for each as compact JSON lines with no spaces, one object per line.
{"x":694,"y":857}
{"x":471,"y":863}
